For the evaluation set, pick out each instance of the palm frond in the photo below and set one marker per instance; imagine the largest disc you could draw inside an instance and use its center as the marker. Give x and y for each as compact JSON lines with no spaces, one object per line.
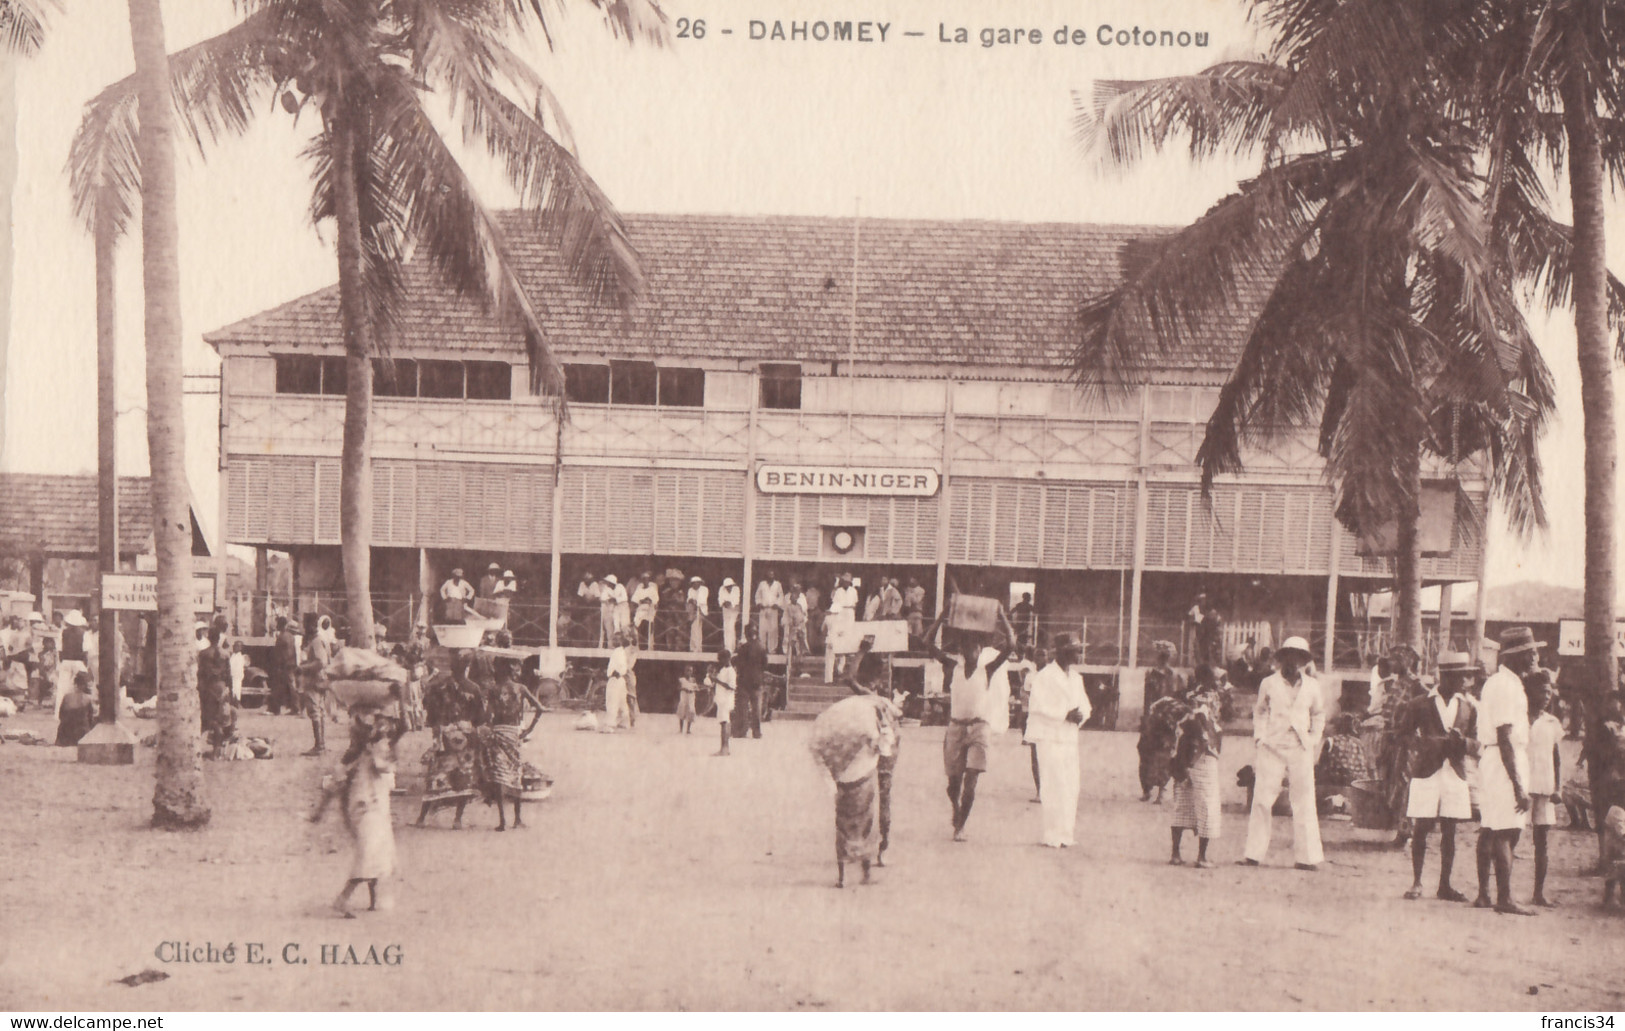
{"x":217,"y":85}
{"x":1228,"y":108}
{"x":570,"y":211}
{"x":1205,"y":273}
{"x":23,"y":24}
{"x":441,"y":214}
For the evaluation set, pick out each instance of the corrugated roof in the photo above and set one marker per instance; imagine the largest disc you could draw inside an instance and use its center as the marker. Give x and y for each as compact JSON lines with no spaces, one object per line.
{"x":56,"y":515}
{"x":780,"y":288}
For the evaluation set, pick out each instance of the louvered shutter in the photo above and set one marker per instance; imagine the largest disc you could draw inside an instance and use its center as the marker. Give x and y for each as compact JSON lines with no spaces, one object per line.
{"x":723,"y":529}
{"x":293,"y":501}
{"x":327,"y":502}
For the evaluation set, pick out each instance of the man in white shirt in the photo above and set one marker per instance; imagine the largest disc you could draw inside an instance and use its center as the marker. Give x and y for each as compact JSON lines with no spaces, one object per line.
{"x":589,"y":594}
{"x":1503,"y":767}
{"x":699,"y":606}
{"x":769,"y":608}
{"x":645,"y":600}
{"x":455,"y":595}
{"x":611,"y":599}
{"x":843,"y":609}
{"x":728,"y":599}
{"x":1288,"y":721}
{"x":965,"y":743}
{"x":1056,"y":707}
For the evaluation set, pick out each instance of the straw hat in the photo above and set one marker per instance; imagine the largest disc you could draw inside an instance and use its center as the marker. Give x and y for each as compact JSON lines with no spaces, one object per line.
{"x":74,"y":618}
{"x":1455,"y":662}
{"x":1519,"y":639}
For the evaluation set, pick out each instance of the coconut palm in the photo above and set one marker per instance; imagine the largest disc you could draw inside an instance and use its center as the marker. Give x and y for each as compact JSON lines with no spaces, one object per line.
{"x":1358,"y":261}
{"x":1548,"y":87}
{"x":178,"y":797}
{"x":392,"y":184}
{"x":22,"y":32}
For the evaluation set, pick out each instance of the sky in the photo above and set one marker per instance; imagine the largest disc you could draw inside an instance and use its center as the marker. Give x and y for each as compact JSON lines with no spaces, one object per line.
{"x":912,"y":127}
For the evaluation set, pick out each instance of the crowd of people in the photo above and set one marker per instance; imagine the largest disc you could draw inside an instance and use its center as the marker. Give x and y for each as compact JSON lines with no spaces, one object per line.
{"x":674,"y":612}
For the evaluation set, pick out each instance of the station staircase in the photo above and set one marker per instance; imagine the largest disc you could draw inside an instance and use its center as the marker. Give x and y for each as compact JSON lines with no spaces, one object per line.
{"x":809,"y":693}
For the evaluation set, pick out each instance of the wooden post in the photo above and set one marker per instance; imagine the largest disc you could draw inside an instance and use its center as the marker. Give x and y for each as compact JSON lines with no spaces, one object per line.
{"x":943,"y":482}
{"x":1483,"y":589}
{"x":555,"y":569}
{"x":1334,"y":560}
{"x":106,"y":461}
{"x":747,"y":587}
{"x":1445,"y":615}
{"x":1141,"y":504}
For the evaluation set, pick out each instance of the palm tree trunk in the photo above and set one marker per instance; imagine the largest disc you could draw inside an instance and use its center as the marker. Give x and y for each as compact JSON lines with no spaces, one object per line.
{"x":1586,"y":186}
{"x":177,"y":800}
{"x":355,"y":484}
{"x":1408,"y":559}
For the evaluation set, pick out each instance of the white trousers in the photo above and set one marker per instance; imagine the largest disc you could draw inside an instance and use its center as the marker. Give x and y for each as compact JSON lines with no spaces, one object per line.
{"x":1298,"y":767}
{"x":617,"y":710}
{"x":730,"y":630}
{"x":1058,"y":777}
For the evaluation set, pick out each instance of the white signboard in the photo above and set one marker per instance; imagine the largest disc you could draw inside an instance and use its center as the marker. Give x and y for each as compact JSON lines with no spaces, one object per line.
{"x":891,"y":635}
{"x":838,"y":479}
{"x":135,"y":592}
{"x":1571,"y":637}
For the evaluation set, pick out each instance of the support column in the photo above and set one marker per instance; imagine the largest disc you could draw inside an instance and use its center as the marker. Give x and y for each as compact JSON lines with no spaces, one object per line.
{"x":747,"y":587}
{"x":425,"y":586}
{"x":1445,"y":615}
{"x":1483,"y":588}
{"x":1334,"y":561}
{"x":555,"y":562}
{"x":1141,"y":503}
{"x":943,"y":483}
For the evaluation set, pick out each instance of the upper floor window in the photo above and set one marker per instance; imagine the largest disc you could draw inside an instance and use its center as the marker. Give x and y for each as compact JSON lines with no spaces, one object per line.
{"x":489,"y":381}
{"x":310,"y":374}
{"x":586,"y":384}
{"x":633,"y":383}
{"x":781,"y":385}
{"x":397,"y":377}
{"x":684,"y":388}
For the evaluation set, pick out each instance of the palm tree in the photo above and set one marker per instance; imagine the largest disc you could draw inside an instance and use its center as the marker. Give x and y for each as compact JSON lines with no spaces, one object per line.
{"x":177,"y":800}
{"x":1358,"y":259}
{"x":22,"y":31}
{"x":1548,"y":89}
{"x":392,"y":184}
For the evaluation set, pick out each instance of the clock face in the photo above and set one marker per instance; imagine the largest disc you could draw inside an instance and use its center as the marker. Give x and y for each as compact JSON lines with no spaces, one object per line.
{"x":842,"y":540}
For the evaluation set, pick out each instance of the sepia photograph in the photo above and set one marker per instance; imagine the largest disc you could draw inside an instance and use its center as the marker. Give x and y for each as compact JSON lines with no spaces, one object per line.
{"x":731,"y":506}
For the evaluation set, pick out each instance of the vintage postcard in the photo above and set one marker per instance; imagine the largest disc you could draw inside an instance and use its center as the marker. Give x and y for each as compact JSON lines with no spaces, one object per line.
{"x":739,"y":506}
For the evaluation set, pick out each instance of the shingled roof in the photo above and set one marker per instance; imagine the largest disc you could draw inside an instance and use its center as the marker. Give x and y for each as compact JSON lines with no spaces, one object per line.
{"x":780,"y":288}
{"x":56,"y":515}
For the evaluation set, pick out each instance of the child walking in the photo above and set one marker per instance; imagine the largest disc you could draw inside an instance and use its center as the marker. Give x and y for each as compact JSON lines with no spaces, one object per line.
{"x":723,"y":683}
{"x":1545,"y":772}
{"x":1196,"y":777}
{"x":687,"y":688}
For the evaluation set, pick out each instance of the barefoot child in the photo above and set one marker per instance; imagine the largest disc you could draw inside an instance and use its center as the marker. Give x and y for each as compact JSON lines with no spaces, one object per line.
{"x":723,"y":682}
{"x":687,"y":688}
{"x":366,"y":815}
{"x":1545,"y":772}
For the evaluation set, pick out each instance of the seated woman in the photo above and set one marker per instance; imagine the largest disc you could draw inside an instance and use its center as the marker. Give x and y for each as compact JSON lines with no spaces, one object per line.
{"x":77,"y":713}
{"x":1343,"y":758}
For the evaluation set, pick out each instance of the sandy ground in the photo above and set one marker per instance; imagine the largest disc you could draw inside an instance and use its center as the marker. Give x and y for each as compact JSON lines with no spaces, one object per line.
{"x":659,"y":877}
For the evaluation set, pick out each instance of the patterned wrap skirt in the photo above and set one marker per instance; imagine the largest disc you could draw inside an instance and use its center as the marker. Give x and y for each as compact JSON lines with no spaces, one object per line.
{"x":498,"y":765}
{"x":857,"y":822}
{"x":1196,"y":799}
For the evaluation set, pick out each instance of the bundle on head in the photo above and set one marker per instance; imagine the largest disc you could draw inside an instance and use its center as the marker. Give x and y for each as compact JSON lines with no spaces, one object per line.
{"x":842,"y":731}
